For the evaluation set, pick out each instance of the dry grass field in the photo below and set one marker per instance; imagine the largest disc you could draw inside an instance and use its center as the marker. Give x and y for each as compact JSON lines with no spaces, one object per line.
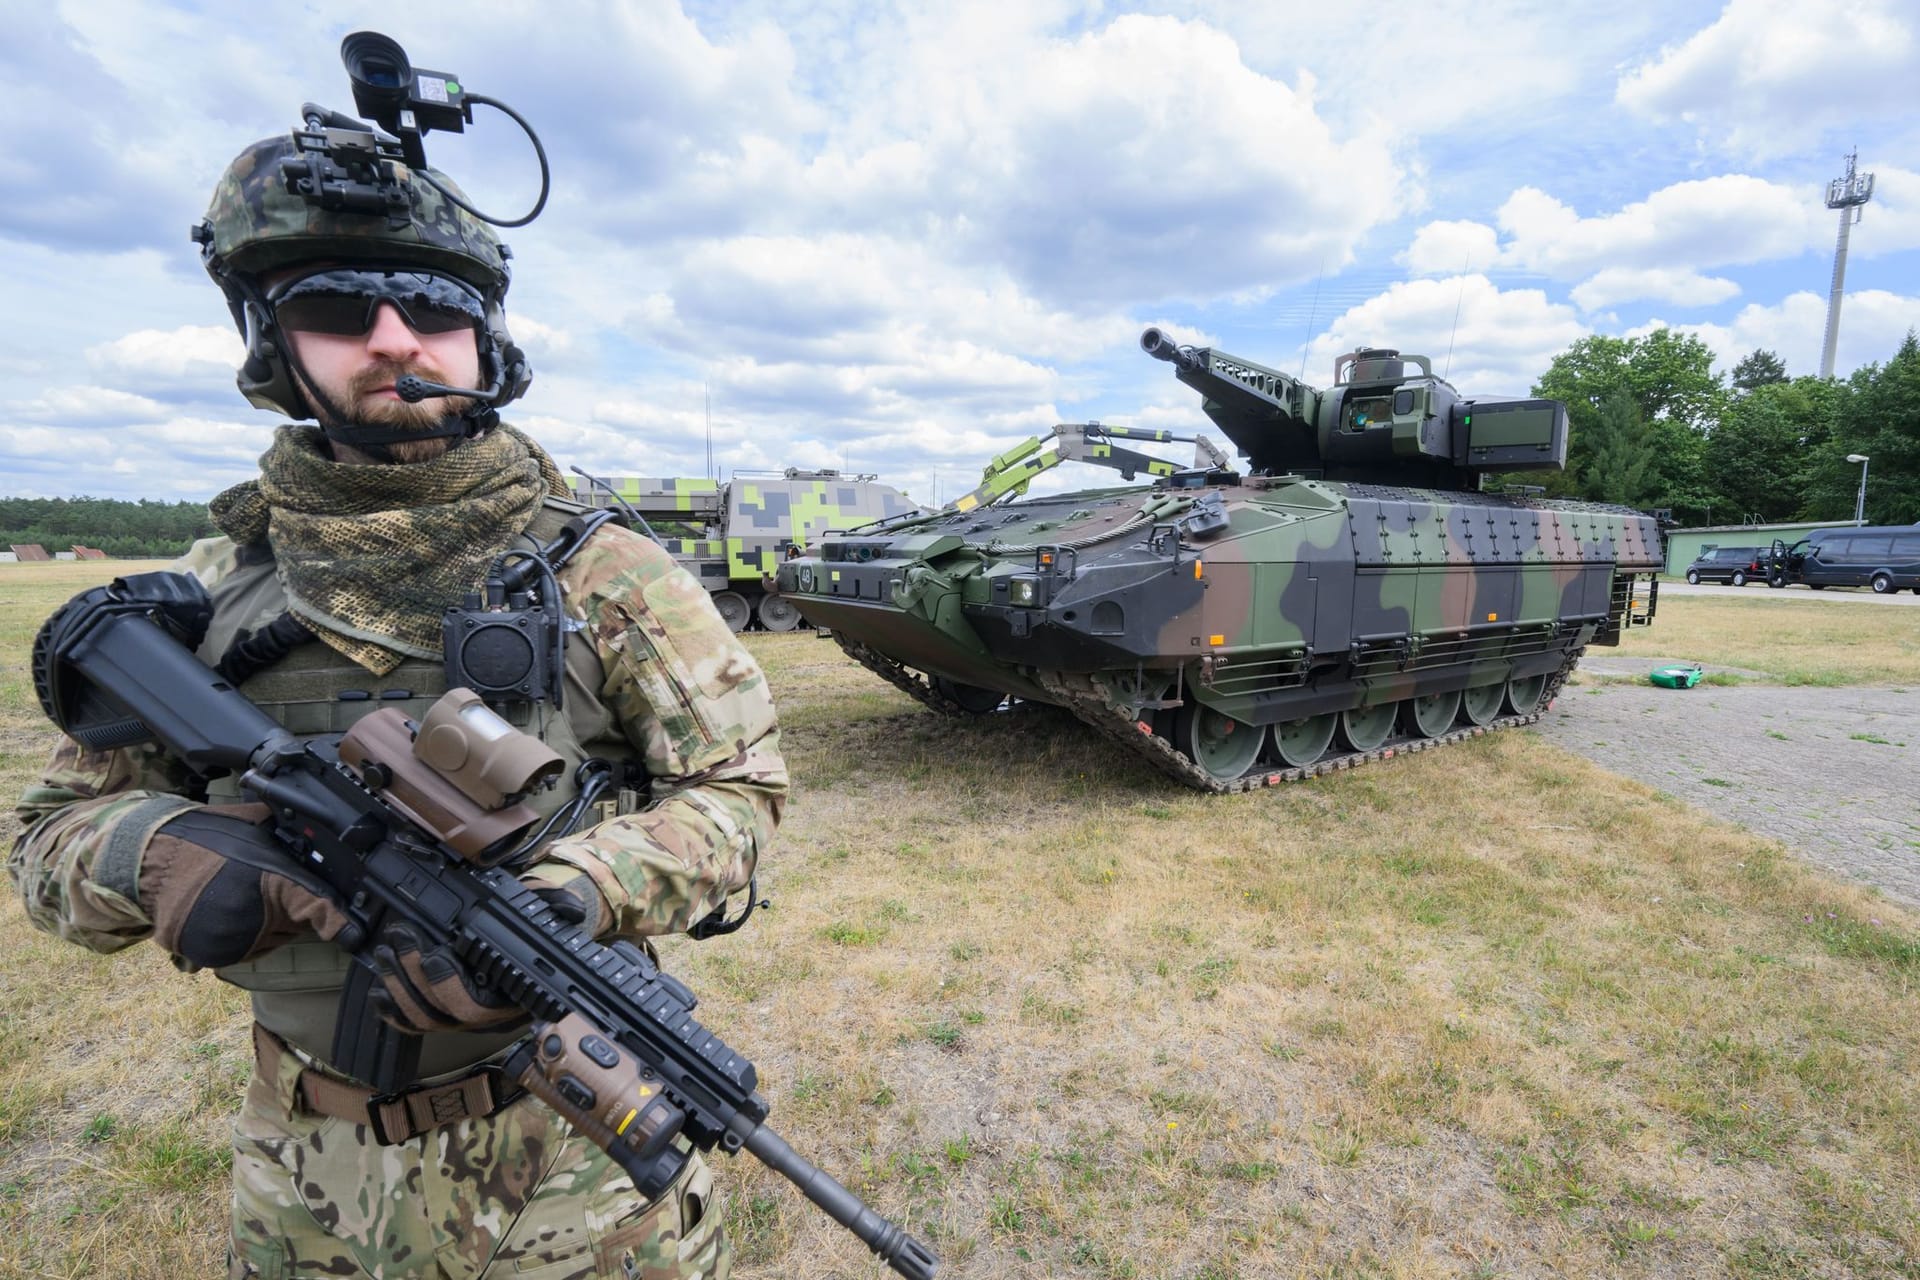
{"x":1486,"y":1011}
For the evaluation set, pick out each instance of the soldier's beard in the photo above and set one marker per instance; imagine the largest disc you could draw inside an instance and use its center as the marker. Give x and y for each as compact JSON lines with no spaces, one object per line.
{"x":368,"y":405}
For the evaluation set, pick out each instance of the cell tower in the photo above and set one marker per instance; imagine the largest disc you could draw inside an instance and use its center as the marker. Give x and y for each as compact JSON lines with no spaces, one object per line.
{"x":1847,"y":195}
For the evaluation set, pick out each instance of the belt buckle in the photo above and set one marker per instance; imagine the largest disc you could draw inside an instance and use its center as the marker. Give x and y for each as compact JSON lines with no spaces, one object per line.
{"x":500,"y":1092}
{"x":377,"y":1117}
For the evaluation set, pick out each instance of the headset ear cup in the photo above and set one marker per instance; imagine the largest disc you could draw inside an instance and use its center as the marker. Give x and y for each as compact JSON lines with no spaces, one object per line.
{"x":519,"y":374}
{"x":265,"y":377}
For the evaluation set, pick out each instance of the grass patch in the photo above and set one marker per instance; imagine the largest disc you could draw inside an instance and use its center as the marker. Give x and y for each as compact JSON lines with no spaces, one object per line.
{"x":1797,"y":643}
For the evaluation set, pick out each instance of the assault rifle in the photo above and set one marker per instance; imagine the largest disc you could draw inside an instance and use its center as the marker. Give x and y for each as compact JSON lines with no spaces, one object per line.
{"x":408,"y":823}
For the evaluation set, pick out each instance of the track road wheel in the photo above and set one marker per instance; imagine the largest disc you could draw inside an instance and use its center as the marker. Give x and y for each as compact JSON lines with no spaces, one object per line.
{"x":1223,"y":747}
{"x":1432,"y":715}
{"x":1301,"y":742}
{"x":1364,"y":728}
{"x":734,"y":609}
{"x":1524,"y":694}
{"x":971,"y":697}
{"x":777,"y":613}
{"x":1481,"y":704}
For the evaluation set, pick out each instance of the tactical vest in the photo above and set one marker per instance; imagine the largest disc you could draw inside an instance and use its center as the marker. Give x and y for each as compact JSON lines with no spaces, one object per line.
{"x":315,"y":690}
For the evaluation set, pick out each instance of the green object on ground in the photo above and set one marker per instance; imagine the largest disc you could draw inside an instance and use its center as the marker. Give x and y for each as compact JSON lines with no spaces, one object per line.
{"x":1676,"y":677}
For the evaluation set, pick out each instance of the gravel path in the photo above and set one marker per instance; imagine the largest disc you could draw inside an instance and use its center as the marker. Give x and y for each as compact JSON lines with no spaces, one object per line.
{"x":1834,"y":774}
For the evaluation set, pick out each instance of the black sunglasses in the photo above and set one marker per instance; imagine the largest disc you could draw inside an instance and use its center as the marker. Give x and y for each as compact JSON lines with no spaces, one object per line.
{"x":341,"y":302}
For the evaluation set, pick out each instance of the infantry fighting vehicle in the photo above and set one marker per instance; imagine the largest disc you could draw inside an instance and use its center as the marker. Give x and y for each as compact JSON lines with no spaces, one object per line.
{"x":733,"y":536}
{"x":1355,"y":592}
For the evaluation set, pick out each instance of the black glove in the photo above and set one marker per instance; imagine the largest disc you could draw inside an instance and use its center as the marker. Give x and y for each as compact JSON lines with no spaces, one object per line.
{"x":220,"y":889}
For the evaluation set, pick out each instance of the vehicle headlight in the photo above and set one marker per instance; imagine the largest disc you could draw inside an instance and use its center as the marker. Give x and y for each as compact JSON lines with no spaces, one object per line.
{"x":1023,"y":591}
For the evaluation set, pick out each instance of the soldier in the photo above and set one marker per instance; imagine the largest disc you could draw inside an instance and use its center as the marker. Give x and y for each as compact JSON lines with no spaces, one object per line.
{"x":329,"y":586}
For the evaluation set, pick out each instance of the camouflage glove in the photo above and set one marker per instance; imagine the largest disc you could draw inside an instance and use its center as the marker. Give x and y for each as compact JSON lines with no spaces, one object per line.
{"x":220,"y":888}
{"x":428,"y":989}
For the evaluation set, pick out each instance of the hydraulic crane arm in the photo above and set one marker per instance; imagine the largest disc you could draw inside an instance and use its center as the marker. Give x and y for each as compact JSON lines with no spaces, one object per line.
{"x":1009,"y":474}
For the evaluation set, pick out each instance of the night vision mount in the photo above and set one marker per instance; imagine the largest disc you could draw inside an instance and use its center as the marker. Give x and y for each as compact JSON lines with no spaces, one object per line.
{"x":343,"y":165}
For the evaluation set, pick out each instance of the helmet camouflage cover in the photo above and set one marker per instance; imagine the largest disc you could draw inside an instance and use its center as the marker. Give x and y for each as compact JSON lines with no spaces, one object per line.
{"x":255,"y":226}
{"x":258,"y":225}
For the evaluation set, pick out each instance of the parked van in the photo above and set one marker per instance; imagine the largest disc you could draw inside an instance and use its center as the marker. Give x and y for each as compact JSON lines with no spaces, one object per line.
{"x":1885,"y":558}
{"x":1735,"y":566}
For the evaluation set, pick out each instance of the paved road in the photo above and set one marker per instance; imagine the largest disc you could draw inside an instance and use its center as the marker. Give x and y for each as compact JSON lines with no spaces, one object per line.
{"x":1832,"y":595}
{"x":1832,"y":773}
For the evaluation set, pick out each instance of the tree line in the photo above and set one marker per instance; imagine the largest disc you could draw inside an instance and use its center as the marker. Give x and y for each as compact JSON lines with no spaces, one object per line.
{"x":117,"y":527}
{"x":1651,"y":425}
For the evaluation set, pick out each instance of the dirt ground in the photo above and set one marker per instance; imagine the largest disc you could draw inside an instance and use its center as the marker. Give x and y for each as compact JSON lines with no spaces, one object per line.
{"x":1833,"y":774}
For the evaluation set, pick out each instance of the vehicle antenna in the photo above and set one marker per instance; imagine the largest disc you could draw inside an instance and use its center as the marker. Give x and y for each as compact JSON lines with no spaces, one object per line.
{"x":1458,"y":299}
{"x":1313,"y":314}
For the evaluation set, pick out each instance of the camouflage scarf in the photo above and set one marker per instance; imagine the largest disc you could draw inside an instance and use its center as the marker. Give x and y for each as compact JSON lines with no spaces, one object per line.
{"x":370,"y":556}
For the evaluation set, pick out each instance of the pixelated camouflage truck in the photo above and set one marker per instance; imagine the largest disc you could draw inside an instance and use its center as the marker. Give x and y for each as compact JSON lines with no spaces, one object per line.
{"x":733,"y":535}
{"x":1369,"y":582}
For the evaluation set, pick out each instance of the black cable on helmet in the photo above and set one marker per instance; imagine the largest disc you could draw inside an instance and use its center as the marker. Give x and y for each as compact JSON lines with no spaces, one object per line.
{"x":539,"y":151}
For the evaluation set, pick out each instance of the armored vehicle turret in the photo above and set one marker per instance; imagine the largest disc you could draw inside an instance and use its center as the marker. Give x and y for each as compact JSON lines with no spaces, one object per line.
{"x":1358,"y":590}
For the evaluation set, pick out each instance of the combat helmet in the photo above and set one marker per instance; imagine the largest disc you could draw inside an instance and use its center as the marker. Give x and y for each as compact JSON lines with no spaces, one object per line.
{"x":259,"y":223}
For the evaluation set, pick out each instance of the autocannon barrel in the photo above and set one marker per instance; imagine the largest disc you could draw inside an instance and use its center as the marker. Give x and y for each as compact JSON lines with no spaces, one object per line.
{"x":1161,"y":347}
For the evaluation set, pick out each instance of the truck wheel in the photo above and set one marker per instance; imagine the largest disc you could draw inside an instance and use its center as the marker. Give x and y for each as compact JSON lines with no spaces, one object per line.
{"x":1882,"y":584}
{"x":734,"y":609}
{"x":777,"y":613}
{"x":1739,"y":579}
{"x":1693,"y":577}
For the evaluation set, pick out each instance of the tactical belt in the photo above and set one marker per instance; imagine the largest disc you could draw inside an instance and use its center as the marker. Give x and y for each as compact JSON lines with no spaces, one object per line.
{"x":395,"y":1117}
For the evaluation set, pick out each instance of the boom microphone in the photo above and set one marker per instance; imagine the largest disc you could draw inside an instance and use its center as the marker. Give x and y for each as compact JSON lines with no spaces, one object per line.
{"x":414,"y":389}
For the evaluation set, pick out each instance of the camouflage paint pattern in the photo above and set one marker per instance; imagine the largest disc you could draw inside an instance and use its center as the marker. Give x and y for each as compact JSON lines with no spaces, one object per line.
{"x":1268,"y":598}
{"x":736,"y":534}
{"x":515,"y":1194}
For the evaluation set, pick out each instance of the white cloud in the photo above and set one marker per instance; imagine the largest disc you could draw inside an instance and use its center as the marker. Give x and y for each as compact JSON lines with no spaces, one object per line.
{"x":195,"y":352}
{"x":1448,"y":248}
{"x":1770,"y":76}
{"x":1661,"y":284}
{"x":1873,"y":323}
{"x":1890,"y":223}
{"x":1733,"y":218}
{"x":1503,"y":338}
{"x":88,"y":406}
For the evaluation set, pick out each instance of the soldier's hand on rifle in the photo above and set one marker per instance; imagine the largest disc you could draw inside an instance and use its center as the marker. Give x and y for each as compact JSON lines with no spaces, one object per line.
{"x":572,"y":894}
{"x":220,"y":888}
{"x":428,"y":989}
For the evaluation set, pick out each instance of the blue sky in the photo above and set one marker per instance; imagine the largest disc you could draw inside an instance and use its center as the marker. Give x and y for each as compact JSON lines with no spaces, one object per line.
{"x":900,"y":239}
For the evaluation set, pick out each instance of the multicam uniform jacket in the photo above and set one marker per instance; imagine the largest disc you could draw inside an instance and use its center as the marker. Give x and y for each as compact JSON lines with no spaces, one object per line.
{"x":689,"y":701}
